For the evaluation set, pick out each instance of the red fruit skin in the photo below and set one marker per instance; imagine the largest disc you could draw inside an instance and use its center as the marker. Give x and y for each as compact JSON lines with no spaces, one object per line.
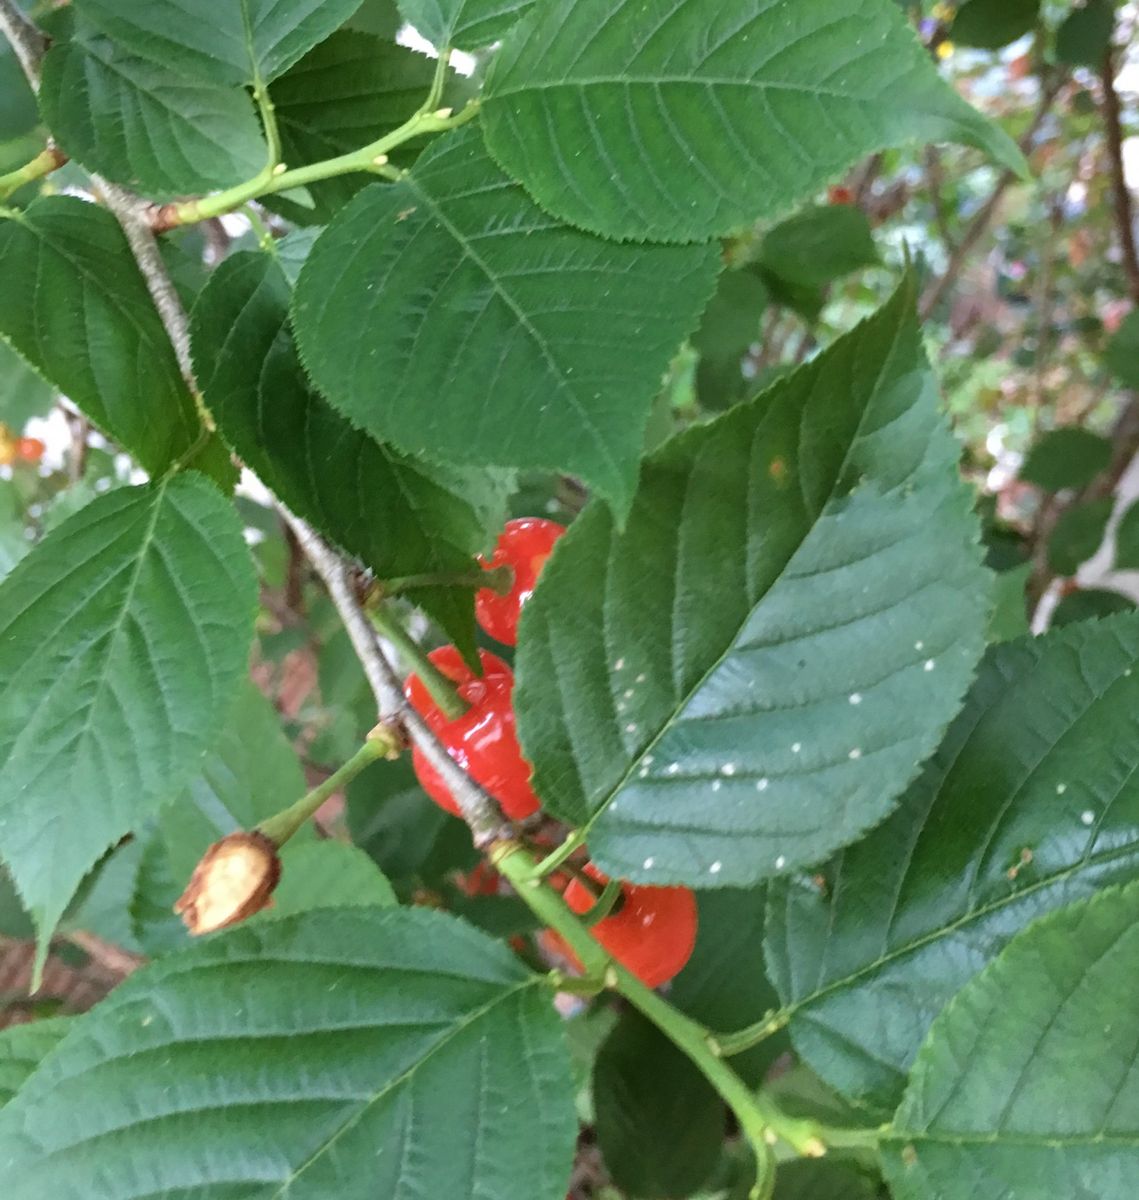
{"x":30,"y":449}
{"x":482,"y":741}
{"x":840,"y":195}
{"x":523,"y":545}
{"x":481,"y":880}
{"x":652,"y":934}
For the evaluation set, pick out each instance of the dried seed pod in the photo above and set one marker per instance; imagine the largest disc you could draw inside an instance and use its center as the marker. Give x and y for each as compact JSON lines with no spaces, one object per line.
{"x":234,"y":879}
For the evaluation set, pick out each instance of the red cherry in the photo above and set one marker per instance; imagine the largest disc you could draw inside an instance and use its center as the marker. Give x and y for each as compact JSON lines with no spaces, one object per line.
{"x":481,"y":880}
{"x":840,"y":195}
{"x":30,"y":449}
{"x":523,"y":545}
{"x":482,"y":741}
{"x":651,"y":933}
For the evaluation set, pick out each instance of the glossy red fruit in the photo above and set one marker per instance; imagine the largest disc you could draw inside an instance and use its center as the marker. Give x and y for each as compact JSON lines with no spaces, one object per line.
{"x":523,"y":546}
{"x":651,"y":933}
{"x":481,"y":880}
{"x":483,"y":740}
{"x":30,"y":449}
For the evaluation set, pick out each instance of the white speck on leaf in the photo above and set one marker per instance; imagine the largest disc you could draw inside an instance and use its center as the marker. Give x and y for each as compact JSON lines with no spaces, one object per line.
{"x":649,"y":863}
{"x":855,"y":697}
{"x":672,"y":769}
{"x":780,"y":863}
{"x":728,"y":769}
{"x":1061,"y":788}
{"x":919,"y":645}
{"x":619,"y":665}
{"x":796,"y":747}
{"x":761,"y":784}
{"x":930,"y":664}
{"x":1087,"y":817}
{"x":855,"y":753}
{"x":715,"y":868}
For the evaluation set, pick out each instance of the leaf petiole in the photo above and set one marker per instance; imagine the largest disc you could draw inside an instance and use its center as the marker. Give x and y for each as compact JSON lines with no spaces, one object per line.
{"x":382,"y":742}
{"x":439,"y":687}
{"x":43,"y":164}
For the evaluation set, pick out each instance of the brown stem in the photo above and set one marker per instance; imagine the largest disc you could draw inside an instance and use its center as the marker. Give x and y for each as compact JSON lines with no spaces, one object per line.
{"x":935,"y":293}
{"x":28,"y":42}
{"x":480,"y":810}
{"x":1121,"y":196}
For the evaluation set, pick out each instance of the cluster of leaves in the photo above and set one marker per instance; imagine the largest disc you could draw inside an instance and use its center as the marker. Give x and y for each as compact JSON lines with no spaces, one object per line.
{"x":756,"y":665}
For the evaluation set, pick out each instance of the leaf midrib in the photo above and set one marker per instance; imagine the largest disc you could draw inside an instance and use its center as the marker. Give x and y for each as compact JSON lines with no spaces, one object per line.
{"x":460,"y":1027}
{"x":1088,"y":862}
{"x":600,"y":442}
{"x":669,"y":721}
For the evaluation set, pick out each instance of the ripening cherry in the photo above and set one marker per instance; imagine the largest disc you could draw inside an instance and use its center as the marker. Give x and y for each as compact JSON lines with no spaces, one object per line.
{"x":30,"y":449}
{"x":650,"y":932}
{"x":523,"y":546}
{"x":482,"y":741}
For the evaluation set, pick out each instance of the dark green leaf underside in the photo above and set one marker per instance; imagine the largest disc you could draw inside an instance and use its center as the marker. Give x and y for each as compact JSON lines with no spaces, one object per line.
{"x":75,"y":306}
{"x":1028,"y":1084}
{"x":400,"y":516}
{"x":1032,"y":802}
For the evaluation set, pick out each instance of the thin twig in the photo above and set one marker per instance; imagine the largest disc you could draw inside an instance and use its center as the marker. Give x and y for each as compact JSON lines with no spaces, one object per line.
{"x":28,"y":43}
{"x":935,"y":179}
{"x":133,"y":215}
{"x":479,"y":809}
{"x":936,"y":291}
{"x":1121,"y":196}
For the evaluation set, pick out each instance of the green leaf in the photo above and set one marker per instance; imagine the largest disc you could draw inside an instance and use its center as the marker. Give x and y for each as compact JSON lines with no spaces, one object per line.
{"x":335,"y":1053}
{"x":1086,"y":604}
{"x":23,"y":393}
{"x":906,"y":917}
{"x":466,"y":24}
{"x":1127,"y":540}
{"x":326,"y":874}
{"x":659,"y":1122}
{"x":123,"y":639}
{"x":1077,"y":534}
{"x":411,"y":839}
{"x":686,"y":691}
{"x":1070,"y":457}
{"x":345,"y":93}
{"x":991,"y":24}
{"x":818,"y":245}
{"x":239,"y":42}
{"x":1026,"y":1084}
{"x":589,"y":102}
{"x":1009,"y":618}
{"x":250,"y":773}
{"x":75,"y":306}
{"x":18,"y":114}
{"x":136,"y":122}
{"x":22,"y":1048}
{"x":401,"y":516}
{"x":731,"y":321}
{"x":724,"y":985}
{"x":1121,"y":357}
{"x":820,"y":1179}
{"x":425,"y":313}
{"x":1085,"y":33}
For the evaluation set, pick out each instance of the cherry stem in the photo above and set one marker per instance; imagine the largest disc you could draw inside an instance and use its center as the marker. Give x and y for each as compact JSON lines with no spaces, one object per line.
{"x":605,"y":905}
{"x":382,"y":742}
{"x":760,"y":1119}
{"x":441,"y":689}
{"x":498,"y":579}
